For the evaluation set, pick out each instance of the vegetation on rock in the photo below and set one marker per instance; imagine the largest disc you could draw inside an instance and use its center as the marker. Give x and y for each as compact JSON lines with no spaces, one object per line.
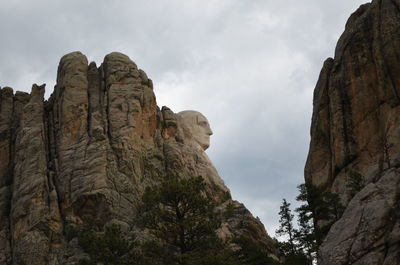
{"x":181,"y":222}
{"x":355,"y":183}
{"x":302,"y":242}
{"x":250,"y":253}
{"x":108,"y":247}
{"x":182,"y":219}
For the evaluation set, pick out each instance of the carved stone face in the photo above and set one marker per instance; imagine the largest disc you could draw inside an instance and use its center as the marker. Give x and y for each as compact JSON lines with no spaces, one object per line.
{"x":198,"y":126}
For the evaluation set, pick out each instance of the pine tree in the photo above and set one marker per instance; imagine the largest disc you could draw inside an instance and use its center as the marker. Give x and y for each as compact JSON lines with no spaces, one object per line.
{"x":319,"y":206}
{"x":293,"y":249}
{"x":109,"y":246}
{"x":251,"y":254}
{"x":355,"y":183}
{"x":334,"y":207}
{"x":286,"y":225}
{"x":305,"y":235}
{"x":183,"y":221}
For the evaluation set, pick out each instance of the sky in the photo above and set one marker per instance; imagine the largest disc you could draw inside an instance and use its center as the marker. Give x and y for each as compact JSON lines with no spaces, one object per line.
{"x":250,"y":66}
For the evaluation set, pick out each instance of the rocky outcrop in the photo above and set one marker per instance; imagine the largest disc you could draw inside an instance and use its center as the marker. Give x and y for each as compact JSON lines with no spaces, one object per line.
{"x":89,"y":152}
{"x":237,"y":221}
{"x":355,"y":129}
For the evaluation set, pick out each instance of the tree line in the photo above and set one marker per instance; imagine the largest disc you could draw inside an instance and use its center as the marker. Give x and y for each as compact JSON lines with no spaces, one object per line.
{"x":180,"y":223}
{"x":318,"y":211}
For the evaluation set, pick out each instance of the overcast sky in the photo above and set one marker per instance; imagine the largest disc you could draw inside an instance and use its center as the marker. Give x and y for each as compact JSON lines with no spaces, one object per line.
{"x":249,"y":65}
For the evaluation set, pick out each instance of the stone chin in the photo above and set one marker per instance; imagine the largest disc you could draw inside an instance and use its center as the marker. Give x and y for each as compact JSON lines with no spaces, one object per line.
{"x":204,"y":143}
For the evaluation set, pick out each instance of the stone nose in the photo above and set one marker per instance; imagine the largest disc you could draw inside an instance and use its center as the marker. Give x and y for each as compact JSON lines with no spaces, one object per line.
{"x":209,"y":131}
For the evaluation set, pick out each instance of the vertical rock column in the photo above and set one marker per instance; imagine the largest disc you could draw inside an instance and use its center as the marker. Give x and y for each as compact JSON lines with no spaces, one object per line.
{"x":319,"y":157}
{"x":6,"y":110}
{"x":31,"y":203}
{"x":90,"y":191}
{"x":70,"y":116}
{"x":125,"y":100}
{"x":132,"y":124}
{"x":356,"y":110}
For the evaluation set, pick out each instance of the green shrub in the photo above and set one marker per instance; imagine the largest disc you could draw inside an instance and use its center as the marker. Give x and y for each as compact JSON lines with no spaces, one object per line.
{"x":107,"y":247}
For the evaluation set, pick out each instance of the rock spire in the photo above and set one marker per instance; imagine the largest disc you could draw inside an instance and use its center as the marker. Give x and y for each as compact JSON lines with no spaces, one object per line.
{"x":355,"y":131}
{"x":88,"y":153}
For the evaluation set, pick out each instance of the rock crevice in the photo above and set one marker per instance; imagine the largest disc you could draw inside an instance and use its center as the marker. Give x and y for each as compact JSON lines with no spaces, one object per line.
{"x":87,"y":154}
{"x":355,"y":129}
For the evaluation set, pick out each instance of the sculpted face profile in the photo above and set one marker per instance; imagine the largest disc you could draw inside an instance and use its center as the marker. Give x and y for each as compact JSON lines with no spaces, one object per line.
{"x":196,"y":127}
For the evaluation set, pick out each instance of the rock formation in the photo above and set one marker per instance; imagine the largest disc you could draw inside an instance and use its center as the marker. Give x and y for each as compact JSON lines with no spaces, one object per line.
{"x":89,"y":152}
{"x":355,"y":130}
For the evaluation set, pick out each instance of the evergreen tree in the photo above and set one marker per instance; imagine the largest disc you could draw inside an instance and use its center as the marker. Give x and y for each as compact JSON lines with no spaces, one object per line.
{"x":183,"y":221}
{"x":334,"y":207}
{"x":313,"y":209}
{"x":306,"y":234}
{"x":251,"y":254}
{"x":286,"y":225}
{"x":320,"y":209}
{"x":355,"y":183}
{"x":290,"y":258}
{"x":108,"y":247}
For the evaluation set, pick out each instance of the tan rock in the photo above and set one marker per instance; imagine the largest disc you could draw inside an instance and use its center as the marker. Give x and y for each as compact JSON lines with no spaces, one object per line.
{"x":31,"y":201}
{"x":355,"y":128}
{"x":196,"y":134}
{"x":239,"y":222}
{"x":88,"y":153}
{"x":368,"y":230}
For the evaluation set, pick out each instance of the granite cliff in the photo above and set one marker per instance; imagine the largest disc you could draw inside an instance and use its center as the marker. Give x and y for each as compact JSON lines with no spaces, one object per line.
{"x":356,"y":131}
{"x":88,"y":153}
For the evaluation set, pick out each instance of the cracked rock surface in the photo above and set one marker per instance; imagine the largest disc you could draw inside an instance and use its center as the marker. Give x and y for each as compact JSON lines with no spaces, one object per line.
{"x":87,"y":154}
{"x":356,"y":128}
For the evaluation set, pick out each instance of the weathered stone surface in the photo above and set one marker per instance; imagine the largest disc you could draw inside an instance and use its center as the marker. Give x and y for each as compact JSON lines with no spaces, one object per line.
{"x":195,"y":131}
{"x":356,"y":128}
{"x":369,"y":227}
{"x":30,"y":190}
{"x":238,"y":221}
{"x":89,"y":152}
{"x":6,"y":112}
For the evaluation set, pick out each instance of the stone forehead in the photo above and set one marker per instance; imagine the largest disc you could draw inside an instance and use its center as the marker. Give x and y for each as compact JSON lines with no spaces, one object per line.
{"x":192,"y":115}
